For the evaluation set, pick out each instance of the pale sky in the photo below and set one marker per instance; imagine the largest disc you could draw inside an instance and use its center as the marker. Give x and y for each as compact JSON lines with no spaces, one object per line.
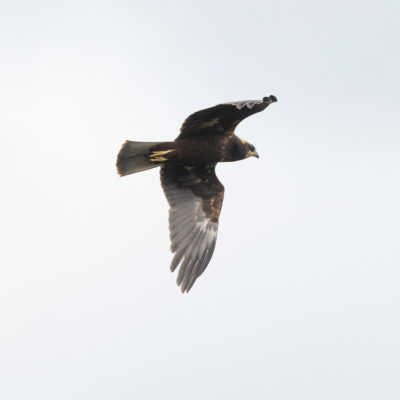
{"x":301,"y":299}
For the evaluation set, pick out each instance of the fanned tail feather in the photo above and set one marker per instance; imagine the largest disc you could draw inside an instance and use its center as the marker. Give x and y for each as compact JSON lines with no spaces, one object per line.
{"x":133,"y":157}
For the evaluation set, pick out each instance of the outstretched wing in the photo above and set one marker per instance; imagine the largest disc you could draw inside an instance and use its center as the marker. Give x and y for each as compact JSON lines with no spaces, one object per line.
{"x":195,"y":197}
{"x":223,"y":118}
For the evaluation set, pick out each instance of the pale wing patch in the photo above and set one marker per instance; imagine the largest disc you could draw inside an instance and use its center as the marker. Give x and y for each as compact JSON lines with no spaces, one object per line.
{"x":209,"y":124}
{"x":245,"y":103}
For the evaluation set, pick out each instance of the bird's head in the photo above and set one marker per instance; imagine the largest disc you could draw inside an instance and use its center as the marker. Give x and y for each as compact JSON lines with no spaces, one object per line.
{"x":249,"y":149}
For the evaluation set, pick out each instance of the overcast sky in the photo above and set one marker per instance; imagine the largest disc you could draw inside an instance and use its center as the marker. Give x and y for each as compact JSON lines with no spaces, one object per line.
{"x":301,"y":299}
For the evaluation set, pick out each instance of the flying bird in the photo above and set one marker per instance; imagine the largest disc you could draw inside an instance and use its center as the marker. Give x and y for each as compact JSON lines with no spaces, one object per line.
{"x":187,"y":171}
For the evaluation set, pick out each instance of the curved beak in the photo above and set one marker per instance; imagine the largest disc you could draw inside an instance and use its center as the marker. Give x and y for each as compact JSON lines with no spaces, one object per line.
{"x":252,"y":154}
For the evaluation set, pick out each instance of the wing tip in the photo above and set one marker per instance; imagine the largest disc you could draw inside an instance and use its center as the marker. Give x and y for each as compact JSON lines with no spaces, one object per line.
{"x":270,"y":99}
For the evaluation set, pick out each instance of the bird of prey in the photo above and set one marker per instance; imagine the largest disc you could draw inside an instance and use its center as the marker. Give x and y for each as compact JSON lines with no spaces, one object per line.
{"x":187,"y":170}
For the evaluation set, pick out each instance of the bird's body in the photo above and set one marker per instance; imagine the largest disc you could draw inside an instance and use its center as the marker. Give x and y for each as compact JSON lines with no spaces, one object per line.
{"x":188,"y":152}
{"x":188,"y":178}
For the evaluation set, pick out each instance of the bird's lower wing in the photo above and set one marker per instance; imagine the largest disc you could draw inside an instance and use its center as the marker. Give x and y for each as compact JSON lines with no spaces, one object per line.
{"x":195,"y":197}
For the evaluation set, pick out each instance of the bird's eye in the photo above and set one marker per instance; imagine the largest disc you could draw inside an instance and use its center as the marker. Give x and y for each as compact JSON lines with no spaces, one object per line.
{"x":252,"y":148}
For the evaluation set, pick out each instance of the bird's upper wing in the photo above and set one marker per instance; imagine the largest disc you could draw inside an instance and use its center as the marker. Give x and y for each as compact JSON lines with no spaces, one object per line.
{"x":223,"y":118}
{"x":195,"y":197}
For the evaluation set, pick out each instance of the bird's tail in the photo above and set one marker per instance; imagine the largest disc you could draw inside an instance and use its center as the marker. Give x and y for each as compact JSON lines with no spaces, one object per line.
{"x":133,"y":157}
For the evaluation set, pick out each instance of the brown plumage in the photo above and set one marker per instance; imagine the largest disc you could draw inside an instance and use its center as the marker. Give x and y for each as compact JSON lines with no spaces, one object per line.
{"x":193,"y":191}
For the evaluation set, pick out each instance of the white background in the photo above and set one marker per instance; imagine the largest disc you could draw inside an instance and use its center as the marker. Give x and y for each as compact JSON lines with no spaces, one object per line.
{"x":301,"y":298}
